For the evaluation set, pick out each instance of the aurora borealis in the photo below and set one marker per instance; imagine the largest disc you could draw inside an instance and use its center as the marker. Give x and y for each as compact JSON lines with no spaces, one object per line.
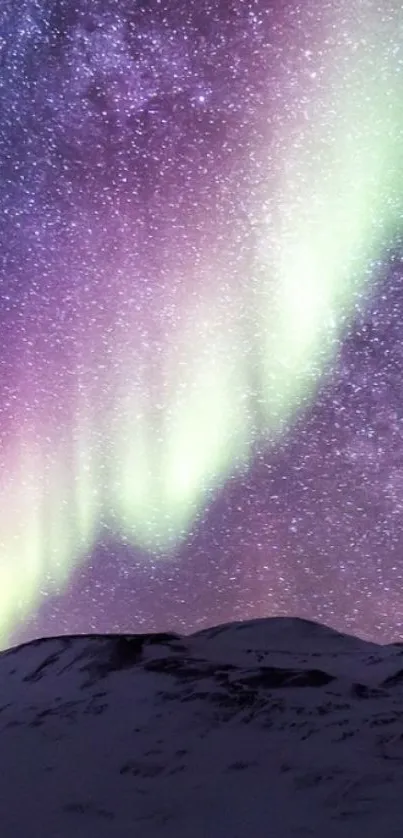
{"x":200,"y":324}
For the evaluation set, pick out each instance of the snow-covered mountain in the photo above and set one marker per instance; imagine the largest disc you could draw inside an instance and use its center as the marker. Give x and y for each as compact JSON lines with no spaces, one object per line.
{"x":264,"y":729}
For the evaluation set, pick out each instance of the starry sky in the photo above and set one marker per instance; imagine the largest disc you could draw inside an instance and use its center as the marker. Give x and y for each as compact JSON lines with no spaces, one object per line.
{"x":201,"y":314}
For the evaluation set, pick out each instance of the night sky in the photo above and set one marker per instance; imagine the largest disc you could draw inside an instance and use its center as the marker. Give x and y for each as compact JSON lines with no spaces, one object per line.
{"x":201,"y":314}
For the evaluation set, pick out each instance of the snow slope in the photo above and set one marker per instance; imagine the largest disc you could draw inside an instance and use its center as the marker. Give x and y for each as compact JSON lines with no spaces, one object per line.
{"x":276,"y":727}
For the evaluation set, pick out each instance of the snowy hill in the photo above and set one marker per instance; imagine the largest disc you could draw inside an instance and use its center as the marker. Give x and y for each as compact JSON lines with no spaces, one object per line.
{"x":269,"y":728}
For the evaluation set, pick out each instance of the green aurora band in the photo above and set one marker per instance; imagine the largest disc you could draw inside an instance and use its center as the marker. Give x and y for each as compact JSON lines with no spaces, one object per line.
{"x":167,"y":441}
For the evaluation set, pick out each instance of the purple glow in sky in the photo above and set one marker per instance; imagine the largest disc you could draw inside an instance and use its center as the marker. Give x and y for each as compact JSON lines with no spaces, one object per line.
{"x":201,"y":303}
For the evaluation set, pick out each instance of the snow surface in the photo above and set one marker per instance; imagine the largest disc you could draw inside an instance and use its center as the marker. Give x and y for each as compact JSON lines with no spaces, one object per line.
{"x":265,"y":729}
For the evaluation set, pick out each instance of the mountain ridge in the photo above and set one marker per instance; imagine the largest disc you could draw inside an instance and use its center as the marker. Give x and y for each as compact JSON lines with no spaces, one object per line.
{"x":271,"y":727}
